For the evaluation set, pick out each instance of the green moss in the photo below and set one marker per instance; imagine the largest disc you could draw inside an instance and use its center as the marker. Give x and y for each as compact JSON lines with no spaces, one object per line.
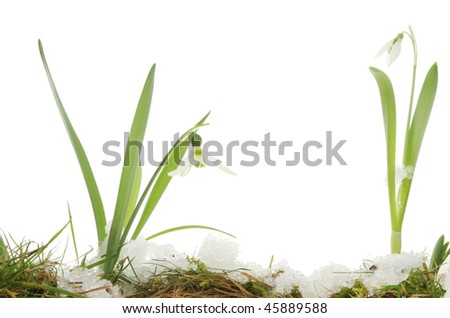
{"x":257,"y":288}
{"x":295,"y":293}
{"x":421,"y":283}
{"x":358,"y":290}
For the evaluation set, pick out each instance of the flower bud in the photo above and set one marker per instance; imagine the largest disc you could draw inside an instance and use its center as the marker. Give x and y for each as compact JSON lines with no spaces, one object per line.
{"x":196,"y":140}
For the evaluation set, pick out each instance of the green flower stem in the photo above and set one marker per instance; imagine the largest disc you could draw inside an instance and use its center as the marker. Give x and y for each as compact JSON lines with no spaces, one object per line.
{"x":396,"y":242}
{"x":416,"y":125}
{"x":404,"y":189}
{"x":413,"y":85}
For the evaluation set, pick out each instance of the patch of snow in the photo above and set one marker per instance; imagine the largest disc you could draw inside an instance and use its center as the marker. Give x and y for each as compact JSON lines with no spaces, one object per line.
{"x":221,"y":253}
{"x":402,"y":173}
{"x":284,"y":278}
{"x":444,"y":278}
{"x":327,"y":280}
{"x":392,"y":269}
{"x":88,"y":282}
{"x":149,"y":258}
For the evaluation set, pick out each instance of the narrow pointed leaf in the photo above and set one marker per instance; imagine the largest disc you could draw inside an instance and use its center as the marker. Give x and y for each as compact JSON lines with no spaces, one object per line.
{"x":91,"y":184}
{"x":54,"y":237}
{"x":72,"y":232}
{"x":51,"y":288}
{"x":421,"y":116}
{"x":416,"y":133}
{"x":161,"y":177}
{"x":439,"y":253}
{"x":134,"y":195}
{"x":389,"y":117}
{"x":187,"y":227}
{"x":130,"y":167}
{"x":103,"y":261}
{"x":3,"y":250}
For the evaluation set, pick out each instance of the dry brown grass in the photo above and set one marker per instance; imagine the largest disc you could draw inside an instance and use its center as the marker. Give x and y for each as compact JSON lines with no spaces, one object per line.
{"x":201,"y":282}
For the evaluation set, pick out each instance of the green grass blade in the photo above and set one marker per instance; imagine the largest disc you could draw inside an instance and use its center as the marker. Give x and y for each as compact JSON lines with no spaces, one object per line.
{"x":3,"y":250}
{"x":23,"y":261}
{"x":134,"y":195}
{"x":101,"y":262}
{"x":130,"y":167}
{"x":421,"y":116}
{"x":54,"y":237}
{"x":94,"y":194}
{"x":187,"y":227}
{"x":53,"y":289}
{"x":72,"y":232}
{"x":161,"y":176}
{"x":389,"y":118}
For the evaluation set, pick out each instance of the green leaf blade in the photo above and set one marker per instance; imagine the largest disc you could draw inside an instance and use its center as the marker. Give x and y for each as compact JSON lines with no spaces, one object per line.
{"x":161,"y":183}
{"x":416,"y":132}
{"x":134,"y":195}
{"x":389,"y":117}
{"x":440,"y":253}
{"x":421,"y":116}
{"x":187,"y":227}
{"x":91,"y":184}
{"x":3,"y":250}
{"x":130,"y":167}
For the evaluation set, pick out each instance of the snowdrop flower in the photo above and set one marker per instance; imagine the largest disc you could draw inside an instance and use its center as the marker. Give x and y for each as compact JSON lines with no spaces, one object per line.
{"x":199,"y":159}
{"x":392,"y":48}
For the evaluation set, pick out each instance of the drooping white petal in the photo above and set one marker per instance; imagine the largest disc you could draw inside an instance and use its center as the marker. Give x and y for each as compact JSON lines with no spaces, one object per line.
{"x":176,"y":172}
{"x":226,"y":169}
{"x":385,"y":48}
{"x":182,"y":170}
{"x":221,"y":166}
{"x":186,"y":170}
{"x":395,"y":52}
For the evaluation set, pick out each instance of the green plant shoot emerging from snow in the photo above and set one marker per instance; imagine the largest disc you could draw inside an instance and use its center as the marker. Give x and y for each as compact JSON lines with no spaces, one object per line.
{"x":127,"y":204}
{"x":416,"y":124}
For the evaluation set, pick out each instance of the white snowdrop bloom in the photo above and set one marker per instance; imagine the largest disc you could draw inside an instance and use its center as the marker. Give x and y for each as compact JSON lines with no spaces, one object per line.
{"x":199,"y":158}
{"x":392,"y":48}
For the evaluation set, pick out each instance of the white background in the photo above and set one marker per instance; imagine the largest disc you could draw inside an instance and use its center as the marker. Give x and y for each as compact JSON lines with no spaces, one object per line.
{"x":295,"y":69}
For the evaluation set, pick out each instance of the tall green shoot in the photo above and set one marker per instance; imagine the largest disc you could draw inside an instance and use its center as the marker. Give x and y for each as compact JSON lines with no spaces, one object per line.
{"x":3,"y":250}
{"x":127,"y":203}
{"x":416,"y":125}
{"x":91,"y":184}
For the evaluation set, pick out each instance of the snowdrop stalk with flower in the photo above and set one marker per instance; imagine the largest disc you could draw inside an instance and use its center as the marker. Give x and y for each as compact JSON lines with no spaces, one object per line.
{"x":415,"y":130}
{"x":130,"y":201}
